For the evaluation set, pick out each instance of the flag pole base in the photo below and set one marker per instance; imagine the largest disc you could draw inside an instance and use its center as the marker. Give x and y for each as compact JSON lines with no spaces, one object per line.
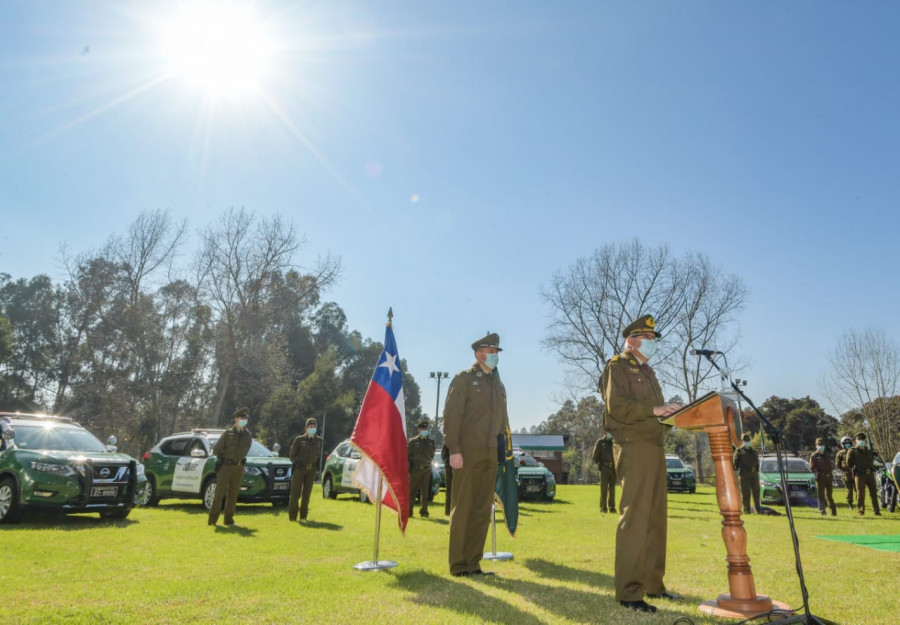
{"x":372,"y":565}
{"x":497,"y":555}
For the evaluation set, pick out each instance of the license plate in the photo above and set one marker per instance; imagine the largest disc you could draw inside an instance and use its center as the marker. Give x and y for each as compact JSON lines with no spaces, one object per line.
{"x":282,"y":486}
{"x":676,"y":482}
{"x":532,"y":489}
{"x":104,"y":491}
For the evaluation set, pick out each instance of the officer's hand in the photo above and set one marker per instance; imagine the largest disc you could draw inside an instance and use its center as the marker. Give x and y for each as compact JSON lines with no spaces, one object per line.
{"x":456,"y":461}
{"x":665,"y":410}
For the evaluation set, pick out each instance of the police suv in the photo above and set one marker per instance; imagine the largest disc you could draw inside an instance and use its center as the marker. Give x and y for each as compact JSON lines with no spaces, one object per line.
{"x":182,"y":466}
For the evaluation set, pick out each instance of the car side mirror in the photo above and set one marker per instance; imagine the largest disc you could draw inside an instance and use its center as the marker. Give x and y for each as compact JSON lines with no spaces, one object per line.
{"x":111,"y":443}
{"x":9,"y":434}
{"x":198,"y":453}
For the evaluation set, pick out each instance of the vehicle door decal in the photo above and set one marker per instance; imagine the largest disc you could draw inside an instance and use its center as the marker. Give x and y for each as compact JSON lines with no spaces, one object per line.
{"x":347,"y":475}
{"x":188,"y":473}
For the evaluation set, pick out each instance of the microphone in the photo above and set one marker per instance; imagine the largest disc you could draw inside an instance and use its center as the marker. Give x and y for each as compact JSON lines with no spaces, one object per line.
{"x":704,"y":352}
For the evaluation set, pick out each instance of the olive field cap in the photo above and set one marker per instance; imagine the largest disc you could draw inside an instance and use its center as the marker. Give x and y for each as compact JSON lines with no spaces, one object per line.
{"x":241,"y":412}
{"x":645,"y":324}
{"x":491,"y":340}
{"x":310,"y":421}
{"x":423,"y":424}
{"x":861,"y":436}
{"x":819,"y":441}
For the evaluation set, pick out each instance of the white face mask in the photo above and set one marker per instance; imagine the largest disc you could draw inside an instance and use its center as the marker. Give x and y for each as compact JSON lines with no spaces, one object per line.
{"x":647,"y":348}
{"x":242,"y":423}
{"x":491,"y":360}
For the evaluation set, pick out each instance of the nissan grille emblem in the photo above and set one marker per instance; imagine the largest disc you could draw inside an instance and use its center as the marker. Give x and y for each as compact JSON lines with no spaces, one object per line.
{"x":104,"y":472}
{"x":280,"y":472}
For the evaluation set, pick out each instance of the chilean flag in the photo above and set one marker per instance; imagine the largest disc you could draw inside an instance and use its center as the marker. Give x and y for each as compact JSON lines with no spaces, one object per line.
{"x":380,"y":434}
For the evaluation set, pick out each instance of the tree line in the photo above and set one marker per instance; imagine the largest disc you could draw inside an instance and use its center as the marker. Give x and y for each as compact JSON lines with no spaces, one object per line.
{"x":132,"y":343}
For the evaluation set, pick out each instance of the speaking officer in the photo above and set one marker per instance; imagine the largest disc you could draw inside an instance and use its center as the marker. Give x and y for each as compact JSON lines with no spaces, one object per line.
{"x":822,"y":467}
{"x":474,"y":416}
{"x":861,"y":461}
{"x":305,"y":453}
{"x":231,"y":455}
{"x":420,"y":450}
{"x":841,"y":461}
{"x":634,"y":404}
{"x":746,"y":462}
{"x":603,"y":456}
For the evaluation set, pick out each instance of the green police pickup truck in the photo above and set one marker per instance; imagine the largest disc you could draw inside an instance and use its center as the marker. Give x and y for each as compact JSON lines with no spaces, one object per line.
{"x":52,"y":463}
{"x":182,"y":466}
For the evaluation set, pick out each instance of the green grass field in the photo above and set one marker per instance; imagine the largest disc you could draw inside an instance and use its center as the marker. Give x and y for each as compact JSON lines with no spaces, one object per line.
{"x":165,"y":565}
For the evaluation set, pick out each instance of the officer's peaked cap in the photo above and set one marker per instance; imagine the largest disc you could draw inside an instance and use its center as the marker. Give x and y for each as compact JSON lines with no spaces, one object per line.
{"x":310,"y":421}
{"x":423,"y":424}
{"x":241,"y":412}
{"x":861,"y":436}
{"x":820,"y":441}
{"x":746,"y":437}
{"x":491,"y":340}
{"x":645,"y":324}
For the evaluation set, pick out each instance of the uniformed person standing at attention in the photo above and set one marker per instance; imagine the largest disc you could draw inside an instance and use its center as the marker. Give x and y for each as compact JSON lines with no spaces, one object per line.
{"x":305,"y":453}
{"x":822,"y":467}
{"x":474,"y":416}
{"x":746,"y":462}
{"x":420,"y":450}
{"x":841,"y":461}
{"x":861,"y":461}
{"x":603,"y":456}
{"x":634,"y":404}
{"x":231,"y":455}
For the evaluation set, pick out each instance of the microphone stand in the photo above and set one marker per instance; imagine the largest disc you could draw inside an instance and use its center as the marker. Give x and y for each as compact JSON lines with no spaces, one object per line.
{"x":777,"y":437}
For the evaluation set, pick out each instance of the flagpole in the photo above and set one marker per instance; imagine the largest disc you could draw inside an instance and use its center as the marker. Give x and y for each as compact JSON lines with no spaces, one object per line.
{"x":493,"y":554}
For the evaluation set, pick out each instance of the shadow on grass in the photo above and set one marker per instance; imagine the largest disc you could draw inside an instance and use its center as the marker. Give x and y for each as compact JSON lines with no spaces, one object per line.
{"x":320,"y":525}
{"x":39,"y":519}
{"x":239,"y":530}
{"x":545,"y":568}
{"x":463,"y":597}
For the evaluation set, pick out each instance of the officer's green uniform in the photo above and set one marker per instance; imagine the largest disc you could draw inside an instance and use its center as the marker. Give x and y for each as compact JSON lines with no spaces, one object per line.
{"x":474,"y":415}
{"x":631,"y":391}
{"x":861,"y":462}
{"x":746,"y":462}
{"x":420,"y":450}
{"x":822,"y":467}
{"x":305,"y":453}
{"x":448,"y":478}
{"x":849,"y":483}
{"x":603,"y":456}
{"x":231,"y":449}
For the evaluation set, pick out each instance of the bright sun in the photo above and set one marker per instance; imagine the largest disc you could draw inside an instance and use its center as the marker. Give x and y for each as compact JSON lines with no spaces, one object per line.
{"x":219,"y":47}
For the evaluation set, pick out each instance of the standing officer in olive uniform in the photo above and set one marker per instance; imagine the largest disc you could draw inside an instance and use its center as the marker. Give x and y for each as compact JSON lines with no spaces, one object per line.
{"x":448,"y":478}
{"x":305,"y":453}
{"x":634,"y":404}
{"x":746,"y":462}
{"x":420,"y":450}
{"x":474,"y":416}
{"x":822,"y":467}
{"x":231,"y":455}
{"x":841,"y":461}
{"x":861,"y":460}
{"x":603,"y":456}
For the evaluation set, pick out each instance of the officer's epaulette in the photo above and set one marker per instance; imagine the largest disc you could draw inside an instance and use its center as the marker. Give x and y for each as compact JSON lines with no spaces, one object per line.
{"x":616,"y":358}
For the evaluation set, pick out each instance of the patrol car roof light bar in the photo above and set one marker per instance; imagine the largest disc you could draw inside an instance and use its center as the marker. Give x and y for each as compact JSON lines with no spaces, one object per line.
{"x":777,"y":438}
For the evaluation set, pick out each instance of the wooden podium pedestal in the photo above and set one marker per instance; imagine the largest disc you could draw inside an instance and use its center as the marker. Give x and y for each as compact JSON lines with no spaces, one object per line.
{"x":715,"y":414}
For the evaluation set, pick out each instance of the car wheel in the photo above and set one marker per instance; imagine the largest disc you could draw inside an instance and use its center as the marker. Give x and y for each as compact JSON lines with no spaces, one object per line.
{"x":115,"y":514}
{"x":9,"y":504}
{"x":693,"y":490}
{"x":209,"y":492}
{"x":151,"y":496}
{"x":328,"y":491}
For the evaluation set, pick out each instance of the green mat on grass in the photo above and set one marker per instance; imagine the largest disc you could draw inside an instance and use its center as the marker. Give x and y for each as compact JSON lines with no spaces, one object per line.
{"x":890,"y":542}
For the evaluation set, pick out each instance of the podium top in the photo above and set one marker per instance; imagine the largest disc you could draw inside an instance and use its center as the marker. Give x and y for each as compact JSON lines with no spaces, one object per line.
{"x":714,"y":408}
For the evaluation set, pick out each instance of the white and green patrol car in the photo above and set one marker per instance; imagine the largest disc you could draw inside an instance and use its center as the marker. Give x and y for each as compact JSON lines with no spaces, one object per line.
{"x":182,"y":466}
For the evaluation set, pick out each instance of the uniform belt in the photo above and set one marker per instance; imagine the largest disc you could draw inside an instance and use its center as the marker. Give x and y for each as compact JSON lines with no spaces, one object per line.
{"x":422,"y":466}
{"x":231,"y":462}
{"x":300,"y":466}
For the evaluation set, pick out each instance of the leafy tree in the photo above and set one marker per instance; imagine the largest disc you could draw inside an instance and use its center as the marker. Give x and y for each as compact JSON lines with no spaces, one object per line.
{"x":801,"y":421}
{"x":581,"y":425}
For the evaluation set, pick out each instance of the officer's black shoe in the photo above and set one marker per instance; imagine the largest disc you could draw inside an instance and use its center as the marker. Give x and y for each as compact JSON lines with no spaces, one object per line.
{"x":424,"y":514}
{"x":480,"y":572}
{"x":612,"y":509}
{"x":638,"y":606}
{"x":878,"y":513}
{"x":673,"y":596}
{"x":603,"y":510}
{"x":460,"y":574}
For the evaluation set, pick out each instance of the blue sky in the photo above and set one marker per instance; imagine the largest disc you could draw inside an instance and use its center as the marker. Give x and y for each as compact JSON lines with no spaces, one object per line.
{"x":456,"y":155}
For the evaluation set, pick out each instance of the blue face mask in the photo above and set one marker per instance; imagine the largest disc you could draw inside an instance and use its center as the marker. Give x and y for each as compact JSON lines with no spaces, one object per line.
{"x":861,"y":443}
{"x":820,"y":448}
{"x":847,"y":445}
{"x":242,"y":423}
{"x":746,"y":443}
{"x":423,"y":433}
{"x":312,"y":431}
{"x":648,"y":348}
{"x":491,"y":361}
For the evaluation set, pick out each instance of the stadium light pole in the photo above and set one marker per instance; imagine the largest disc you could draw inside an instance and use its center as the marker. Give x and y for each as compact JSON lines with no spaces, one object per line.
{"x":438,"y":375}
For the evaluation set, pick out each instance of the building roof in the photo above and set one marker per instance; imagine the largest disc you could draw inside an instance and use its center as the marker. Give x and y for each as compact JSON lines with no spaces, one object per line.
{"x":548,"y":442}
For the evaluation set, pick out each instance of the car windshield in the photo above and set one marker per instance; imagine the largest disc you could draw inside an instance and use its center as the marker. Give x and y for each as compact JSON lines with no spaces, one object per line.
{"x":256,"y":448}
{"x":49,"y":436}
{"x":674,"y":463}
{"x":437,"y":457}
{"x":897,"y":459}
{"x":524,"y":460}
{"x":791,"y":465}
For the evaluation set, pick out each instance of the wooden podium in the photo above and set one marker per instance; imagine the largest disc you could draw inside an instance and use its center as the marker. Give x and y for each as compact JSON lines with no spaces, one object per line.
{"x":718,"y":416}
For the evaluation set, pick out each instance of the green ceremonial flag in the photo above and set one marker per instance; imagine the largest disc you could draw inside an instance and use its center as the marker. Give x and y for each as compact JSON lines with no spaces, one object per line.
{"x":506,"y":491}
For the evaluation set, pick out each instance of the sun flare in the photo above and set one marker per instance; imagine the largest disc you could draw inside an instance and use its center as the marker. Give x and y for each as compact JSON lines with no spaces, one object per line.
{"x":220,"y":48}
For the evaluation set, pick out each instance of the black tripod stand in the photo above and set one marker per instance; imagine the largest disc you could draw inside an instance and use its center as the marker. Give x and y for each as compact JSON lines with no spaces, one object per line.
{"x":777,"y":437}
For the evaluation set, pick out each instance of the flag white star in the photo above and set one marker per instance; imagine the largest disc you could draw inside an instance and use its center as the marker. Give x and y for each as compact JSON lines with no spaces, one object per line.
{"x":391,"y":363}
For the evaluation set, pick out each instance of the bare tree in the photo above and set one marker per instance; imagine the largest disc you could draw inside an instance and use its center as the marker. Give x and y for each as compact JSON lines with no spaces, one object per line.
{"x":863,"y":375}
